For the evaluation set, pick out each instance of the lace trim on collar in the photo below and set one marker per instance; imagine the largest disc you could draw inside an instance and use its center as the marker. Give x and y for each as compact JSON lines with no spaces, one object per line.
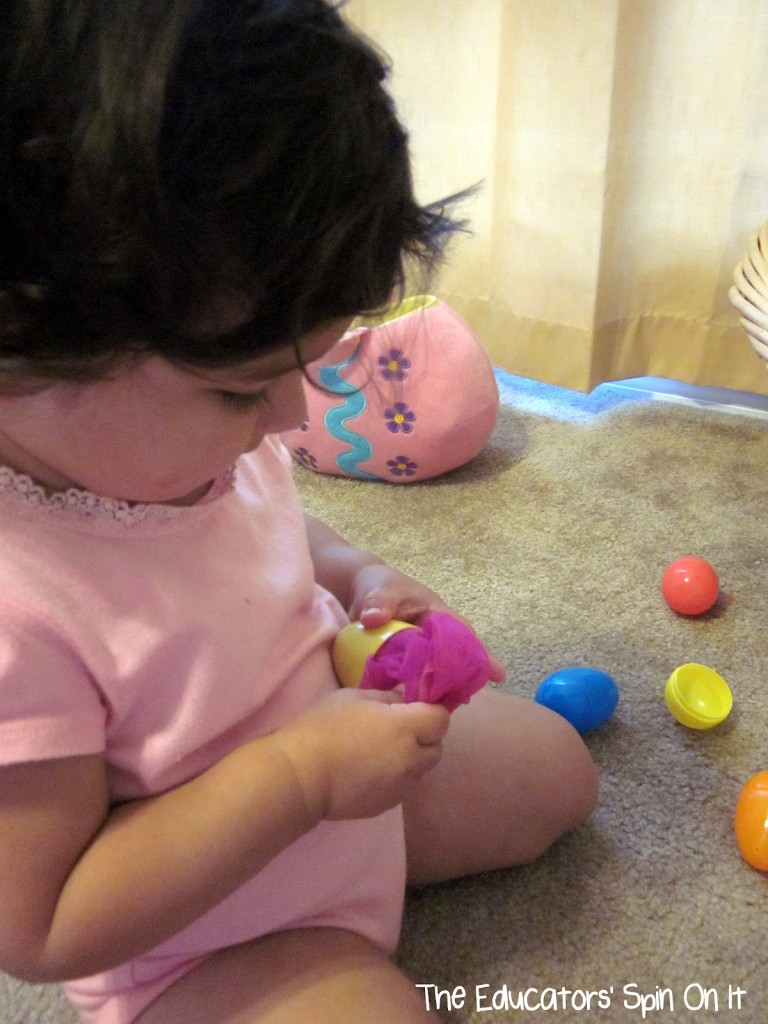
{"x":77,"y":503}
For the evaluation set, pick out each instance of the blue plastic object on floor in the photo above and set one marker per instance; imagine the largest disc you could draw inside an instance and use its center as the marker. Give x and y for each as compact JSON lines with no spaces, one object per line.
{"x":586,"y":697}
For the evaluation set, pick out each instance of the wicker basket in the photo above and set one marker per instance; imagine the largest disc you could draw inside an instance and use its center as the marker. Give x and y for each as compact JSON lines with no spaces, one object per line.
{"x":749,"y":293}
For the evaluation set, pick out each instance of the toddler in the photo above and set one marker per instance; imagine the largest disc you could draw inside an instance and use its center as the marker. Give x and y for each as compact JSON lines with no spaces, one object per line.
{"x":196,"y":823}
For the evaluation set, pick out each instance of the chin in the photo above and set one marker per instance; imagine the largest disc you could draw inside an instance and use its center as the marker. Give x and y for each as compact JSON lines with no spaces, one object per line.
{"x":174,"y":496}
{"x":179,"y":492}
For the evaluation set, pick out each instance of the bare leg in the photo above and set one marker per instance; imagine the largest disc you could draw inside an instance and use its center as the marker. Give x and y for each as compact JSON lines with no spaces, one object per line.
{"x":513,"y":777}
{"x":313,"y":974}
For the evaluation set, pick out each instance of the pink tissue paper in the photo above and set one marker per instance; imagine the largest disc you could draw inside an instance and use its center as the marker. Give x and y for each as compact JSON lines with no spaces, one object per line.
{"x":440,"y":662}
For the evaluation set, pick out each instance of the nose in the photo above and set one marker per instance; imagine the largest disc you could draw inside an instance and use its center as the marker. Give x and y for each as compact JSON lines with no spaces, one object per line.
{"x":291,"y":400}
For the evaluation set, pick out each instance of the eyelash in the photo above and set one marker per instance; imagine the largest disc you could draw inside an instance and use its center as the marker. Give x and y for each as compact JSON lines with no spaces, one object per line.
{"x":242,"y":401}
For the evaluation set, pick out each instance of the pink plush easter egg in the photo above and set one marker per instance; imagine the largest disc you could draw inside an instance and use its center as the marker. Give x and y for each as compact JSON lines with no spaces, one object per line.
{"x":403,"y":398}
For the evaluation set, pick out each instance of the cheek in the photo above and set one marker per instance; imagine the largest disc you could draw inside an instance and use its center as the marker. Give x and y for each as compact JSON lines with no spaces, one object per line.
{"x":152,"y":452}
{"x":287,"y":405}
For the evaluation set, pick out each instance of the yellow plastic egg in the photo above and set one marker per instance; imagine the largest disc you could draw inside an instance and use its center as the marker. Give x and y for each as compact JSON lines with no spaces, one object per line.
{"x":751,"y":821}
{"x":354,"y":644}
{"x":698,"y":697}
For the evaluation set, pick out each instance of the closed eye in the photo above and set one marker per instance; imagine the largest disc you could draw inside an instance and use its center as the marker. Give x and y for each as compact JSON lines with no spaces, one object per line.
{"x":242,"y":401}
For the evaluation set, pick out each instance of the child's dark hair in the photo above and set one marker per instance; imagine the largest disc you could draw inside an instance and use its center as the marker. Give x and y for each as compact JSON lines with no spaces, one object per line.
{"x":157,"y":153}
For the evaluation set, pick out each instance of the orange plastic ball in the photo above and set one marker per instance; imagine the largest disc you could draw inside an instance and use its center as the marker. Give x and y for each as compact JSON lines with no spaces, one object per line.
{"x":751,"y":822}
{"x":690,"y":585}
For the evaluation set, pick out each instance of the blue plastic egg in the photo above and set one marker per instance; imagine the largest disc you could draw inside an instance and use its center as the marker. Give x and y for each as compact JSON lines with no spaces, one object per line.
{"x":586,"y":697}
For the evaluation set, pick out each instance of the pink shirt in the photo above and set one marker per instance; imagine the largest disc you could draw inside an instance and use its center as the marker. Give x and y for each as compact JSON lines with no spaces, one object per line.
{"x":164,"y":637}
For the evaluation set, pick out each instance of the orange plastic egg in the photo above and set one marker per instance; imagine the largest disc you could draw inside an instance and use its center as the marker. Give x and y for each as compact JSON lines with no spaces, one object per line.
{"x":751,"y":821}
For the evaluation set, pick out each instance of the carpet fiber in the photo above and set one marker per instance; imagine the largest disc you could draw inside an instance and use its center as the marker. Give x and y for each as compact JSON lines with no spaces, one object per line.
{"x":553,"y":543}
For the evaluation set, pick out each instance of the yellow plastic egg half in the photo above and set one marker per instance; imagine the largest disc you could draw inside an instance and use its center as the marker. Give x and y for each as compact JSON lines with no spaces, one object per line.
{"x":354,"y":644}
{"x":698,"y":697}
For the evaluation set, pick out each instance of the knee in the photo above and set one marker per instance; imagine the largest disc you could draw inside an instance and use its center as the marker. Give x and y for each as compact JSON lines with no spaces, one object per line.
{"x":569,"y":787}
{"x":580,"y":779}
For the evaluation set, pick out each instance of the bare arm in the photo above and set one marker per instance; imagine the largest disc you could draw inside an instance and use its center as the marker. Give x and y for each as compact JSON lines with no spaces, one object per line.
{"x":111,"y":884}
{"x":368,"y":588}
{"x":85,"y":888}
{"x":337,"y":563}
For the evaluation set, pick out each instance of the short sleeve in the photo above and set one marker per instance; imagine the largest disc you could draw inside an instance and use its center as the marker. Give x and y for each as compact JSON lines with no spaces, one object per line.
{"x":49,"y":706}
{"x":275,"y":441}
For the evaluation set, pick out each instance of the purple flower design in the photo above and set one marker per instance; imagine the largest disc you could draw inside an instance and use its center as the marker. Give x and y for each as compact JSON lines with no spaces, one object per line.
{"x":304,"y":426}
{"x":394,"y":365}
{"x":399,"y":418}
{"x":305,"y":458}
{"x":401,"y":465}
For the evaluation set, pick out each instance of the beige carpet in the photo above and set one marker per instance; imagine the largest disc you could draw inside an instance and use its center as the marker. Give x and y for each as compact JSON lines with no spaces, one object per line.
{"x":553,"y":543}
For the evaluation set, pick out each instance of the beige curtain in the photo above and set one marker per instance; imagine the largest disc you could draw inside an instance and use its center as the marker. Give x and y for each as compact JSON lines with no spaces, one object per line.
{"x":623,"y":146}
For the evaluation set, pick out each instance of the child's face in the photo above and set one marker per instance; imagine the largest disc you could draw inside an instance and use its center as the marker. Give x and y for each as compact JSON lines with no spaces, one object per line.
{"x":154,"y":432}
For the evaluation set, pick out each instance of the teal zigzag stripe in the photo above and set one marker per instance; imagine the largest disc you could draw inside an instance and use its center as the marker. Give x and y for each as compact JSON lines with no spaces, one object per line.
{"x":337,"y":418}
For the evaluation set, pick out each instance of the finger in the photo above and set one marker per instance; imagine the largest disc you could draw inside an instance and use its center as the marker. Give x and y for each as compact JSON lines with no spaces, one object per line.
{"x":428,"y":759}
{"x":431,"y":721}
{"x":497,"y":673}
{"x":382,"y":696}
{"x":378,"y":614}
{"x":375,"y":606}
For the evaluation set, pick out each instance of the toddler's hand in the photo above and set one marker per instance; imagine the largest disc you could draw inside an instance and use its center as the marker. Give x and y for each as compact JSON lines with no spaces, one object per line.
{"x":356,"y":753}
{"x":381,"y":593}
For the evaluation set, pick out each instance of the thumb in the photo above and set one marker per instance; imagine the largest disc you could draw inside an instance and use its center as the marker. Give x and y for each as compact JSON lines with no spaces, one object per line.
{"x":376,"y":612}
